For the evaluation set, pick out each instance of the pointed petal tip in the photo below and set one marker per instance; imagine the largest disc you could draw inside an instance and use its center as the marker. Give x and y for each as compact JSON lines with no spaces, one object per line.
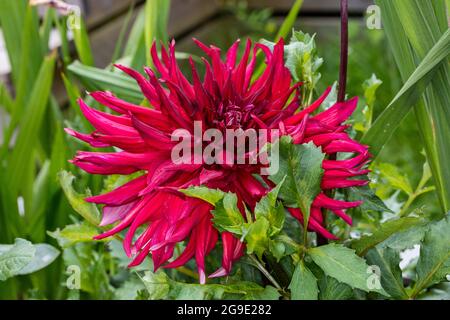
{"x":202,"y":276}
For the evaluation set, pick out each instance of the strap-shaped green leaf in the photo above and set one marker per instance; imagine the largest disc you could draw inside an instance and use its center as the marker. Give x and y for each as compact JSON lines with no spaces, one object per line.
{"x":21,"y":165}
{"x":99,"y":79}
{"x":396,"y":111}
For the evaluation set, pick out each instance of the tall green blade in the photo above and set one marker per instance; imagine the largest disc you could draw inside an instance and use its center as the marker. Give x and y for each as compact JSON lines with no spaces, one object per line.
{"x":409,"y":94}
{"x":21,"y":165}
{"x":156,"y":20}
{"x":413,"y":28}
{"x":82,"y":44}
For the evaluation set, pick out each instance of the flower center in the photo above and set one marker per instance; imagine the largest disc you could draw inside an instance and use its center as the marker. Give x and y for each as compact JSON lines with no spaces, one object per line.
{"x":233,"y":116}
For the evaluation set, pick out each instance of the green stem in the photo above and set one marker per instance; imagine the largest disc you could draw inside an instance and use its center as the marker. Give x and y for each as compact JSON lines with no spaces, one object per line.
{"x":264,"y":271}
{"x":187,"y":272}
{"x":284,"y":30}
{"x":412,"y":197}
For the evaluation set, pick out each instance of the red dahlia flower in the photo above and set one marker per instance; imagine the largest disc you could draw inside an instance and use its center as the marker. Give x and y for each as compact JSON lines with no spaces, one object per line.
{"x":226,"y":98}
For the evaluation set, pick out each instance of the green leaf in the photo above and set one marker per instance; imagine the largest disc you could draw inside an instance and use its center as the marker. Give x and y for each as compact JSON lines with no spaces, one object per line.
{"x":285,"y":28}
{"x":383,"y":232}
{"x":14,"y":258}
{"x":160,"y":286}
{"x":302,"y":61}
{"x":413,"y":36}
{"x":87,"y":210}
{"x":156,"y":20}
{"x":274,"y":212}
{"x":212,"y":196}
{"x":129,"y":290}
{"x":6,"y":100}
{"x":434,"y":262}
{"x":438,"y":292}
{"x":303,"y":285}
{"x":300,"y":166}
{"x":331,"y":289}
{"x":157,"y":285}
{"x":370,"y":87}
{"x":91,"y":265}
{"x":363,"y":119}
{"x":123,"y":32}
{"x":405,"y":239}
{"x":388,"y":261}
{"x":23,"y":258}
{"x":74,"y":233}
{"x":227,"y":216}
{"x":19,"y":163}
{"x":257,"y":237}
{"x":82,"y":44}
{"x":370,"y":200}
{"x":409,"y":94}
{"x":105,"y":80}
{"x":289,"y":22}
{"x":343,"y":264}
{"x":12,"y":31}
{"x":395,"y":178}
{"x":44,"y":255}
{"x":135,"y":49}
{"x":278,"y":249}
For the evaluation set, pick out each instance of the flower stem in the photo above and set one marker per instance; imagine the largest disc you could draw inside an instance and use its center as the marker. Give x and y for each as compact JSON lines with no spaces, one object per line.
{"x":342,"y":87}
{"x":411,"y":198}
{"x":264,"y":271}
{"x":187,"y":272}
{"x":344,"y":51}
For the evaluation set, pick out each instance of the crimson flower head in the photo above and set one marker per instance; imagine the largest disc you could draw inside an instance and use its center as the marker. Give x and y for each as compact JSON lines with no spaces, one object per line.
{"x":155,"y":214}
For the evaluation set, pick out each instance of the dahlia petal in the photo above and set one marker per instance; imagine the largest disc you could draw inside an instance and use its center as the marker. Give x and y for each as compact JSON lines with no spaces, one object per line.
{"x":207,"y":238}
{"x":126,"y":143}
{"x":229,"y":243}
{"x":312,"y":224}
{"x":221,"y":272}
{"x":338,"y":113}
{"x":299,"y":116}
{"x":146,"y":88}
{"x":121,"y":226}
{"x":103,"y":169}
{"x":320,"y":229}
{"x":344,"y":173}
{"x":298,"y":134}
{"x":342,"y":183}
{"x":105,"y":124}
{"x":113,"y":214}
{"x":354,"y":162}
{"x":88,"y":138}
{"x":326,"y":138}
{"x":343,"y":216}
{"x":116,"y":159}
{"x":345,"y":146}
{"x":122,"y":194}
{"x":157,"y":62}
{"x":109,"y":100}
{"x":139,"y":258}
{"x":323,"y":200}
{"x":238,"y":77}
{"x":232,"y":54}
{"x":186,"y":255}
{"x":145,"y":209}
{"x":152,"y":136}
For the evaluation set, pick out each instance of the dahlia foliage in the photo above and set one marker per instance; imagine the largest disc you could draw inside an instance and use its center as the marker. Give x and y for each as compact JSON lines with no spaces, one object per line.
{"x":230,"y":95}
